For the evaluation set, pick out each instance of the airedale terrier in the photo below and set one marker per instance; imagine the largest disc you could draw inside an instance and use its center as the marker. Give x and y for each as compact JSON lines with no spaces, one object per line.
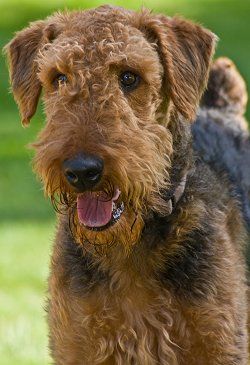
{"x":147,"y":266}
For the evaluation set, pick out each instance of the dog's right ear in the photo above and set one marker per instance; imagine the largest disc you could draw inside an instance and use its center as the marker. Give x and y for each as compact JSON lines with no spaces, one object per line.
{"x":186,"y":50}
{"x":21,"y":52}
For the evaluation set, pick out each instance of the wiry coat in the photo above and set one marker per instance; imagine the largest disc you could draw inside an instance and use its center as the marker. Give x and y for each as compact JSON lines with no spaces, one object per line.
{"x":159,"y":286}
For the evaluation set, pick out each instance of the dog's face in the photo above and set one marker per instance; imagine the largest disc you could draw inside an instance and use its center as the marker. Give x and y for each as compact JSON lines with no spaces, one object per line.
{"x":112,"y":80}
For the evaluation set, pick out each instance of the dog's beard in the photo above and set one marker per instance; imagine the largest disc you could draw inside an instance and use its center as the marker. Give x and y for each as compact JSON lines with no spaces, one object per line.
{"x":126,"y":232}
{"x":123,"y":228}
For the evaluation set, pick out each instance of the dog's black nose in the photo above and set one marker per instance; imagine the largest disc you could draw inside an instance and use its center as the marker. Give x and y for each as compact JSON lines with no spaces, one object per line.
{"x":83,"y":171}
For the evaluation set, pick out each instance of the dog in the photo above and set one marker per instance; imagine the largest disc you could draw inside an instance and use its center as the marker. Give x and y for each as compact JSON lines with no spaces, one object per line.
{"x":148,"y":265}
{"x":221,"y":130}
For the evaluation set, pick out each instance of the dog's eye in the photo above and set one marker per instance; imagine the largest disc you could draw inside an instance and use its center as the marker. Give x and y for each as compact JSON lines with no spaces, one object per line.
{"x":129,"y":81}
{"x":60,"y":79}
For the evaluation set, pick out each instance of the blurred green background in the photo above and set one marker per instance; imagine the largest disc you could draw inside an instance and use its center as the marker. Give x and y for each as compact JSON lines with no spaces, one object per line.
{"x":26,"y":218}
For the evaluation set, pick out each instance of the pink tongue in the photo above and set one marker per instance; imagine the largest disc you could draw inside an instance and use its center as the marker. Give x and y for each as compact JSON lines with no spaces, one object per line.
{"x":94,"y":210}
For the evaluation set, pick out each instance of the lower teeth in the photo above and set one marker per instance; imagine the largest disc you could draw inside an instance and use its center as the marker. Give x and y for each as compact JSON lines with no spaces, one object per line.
{"x":118,"y":211}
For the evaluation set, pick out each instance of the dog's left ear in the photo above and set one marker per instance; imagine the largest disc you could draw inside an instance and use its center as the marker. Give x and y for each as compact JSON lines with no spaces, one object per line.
{"x":21,"y":52}
{"x":186,"y":50}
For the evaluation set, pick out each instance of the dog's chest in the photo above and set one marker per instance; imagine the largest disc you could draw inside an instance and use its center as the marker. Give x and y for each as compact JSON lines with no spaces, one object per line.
{"x":132,"y":326}
{"x":122,"y":315}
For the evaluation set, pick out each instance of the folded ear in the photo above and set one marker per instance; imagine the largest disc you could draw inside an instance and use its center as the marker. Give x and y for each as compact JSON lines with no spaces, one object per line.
{"x":22,"y":52}
{"x":186,"y":50}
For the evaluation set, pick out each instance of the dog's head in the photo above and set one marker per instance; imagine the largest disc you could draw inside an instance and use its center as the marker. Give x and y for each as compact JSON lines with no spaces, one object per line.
{"x":113,"y":82}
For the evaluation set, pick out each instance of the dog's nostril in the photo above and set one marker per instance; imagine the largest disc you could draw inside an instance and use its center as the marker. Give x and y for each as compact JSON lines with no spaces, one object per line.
{"x":71,"y":176}
{"x":92,"y":175}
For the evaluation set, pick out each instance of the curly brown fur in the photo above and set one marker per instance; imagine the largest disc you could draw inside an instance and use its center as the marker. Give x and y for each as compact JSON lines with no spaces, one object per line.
{"x":159,"y":286}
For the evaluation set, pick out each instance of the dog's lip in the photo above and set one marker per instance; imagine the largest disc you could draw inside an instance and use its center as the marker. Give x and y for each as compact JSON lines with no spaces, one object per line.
{"x":96,"y":211}
{"x":117,"y":193}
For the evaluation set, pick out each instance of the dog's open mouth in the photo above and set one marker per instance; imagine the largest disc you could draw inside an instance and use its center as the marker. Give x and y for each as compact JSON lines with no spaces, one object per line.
{"x":97,"y":211}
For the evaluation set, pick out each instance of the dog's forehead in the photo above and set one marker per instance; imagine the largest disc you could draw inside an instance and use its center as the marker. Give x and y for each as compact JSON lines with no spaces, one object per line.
{"x":95,"y":25}
{"x":99,"y":17}
{"x":106,"y":34}
{"x":102,"y":14}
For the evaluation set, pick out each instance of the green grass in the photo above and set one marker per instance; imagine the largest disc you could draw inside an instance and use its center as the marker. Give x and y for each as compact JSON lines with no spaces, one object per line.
{"x":26,"y":228}
{"x":23,"y":271}
{"x":23,"y":198}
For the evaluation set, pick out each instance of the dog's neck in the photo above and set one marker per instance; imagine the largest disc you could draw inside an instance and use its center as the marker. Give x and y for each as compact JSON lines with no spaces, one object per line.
{"x":181,"y":161}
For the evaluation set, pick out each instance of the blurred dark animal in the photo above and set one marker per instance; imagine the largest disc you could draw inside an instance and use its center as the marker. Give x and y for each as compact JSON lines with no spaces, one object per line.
{"x":220,"y":134}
